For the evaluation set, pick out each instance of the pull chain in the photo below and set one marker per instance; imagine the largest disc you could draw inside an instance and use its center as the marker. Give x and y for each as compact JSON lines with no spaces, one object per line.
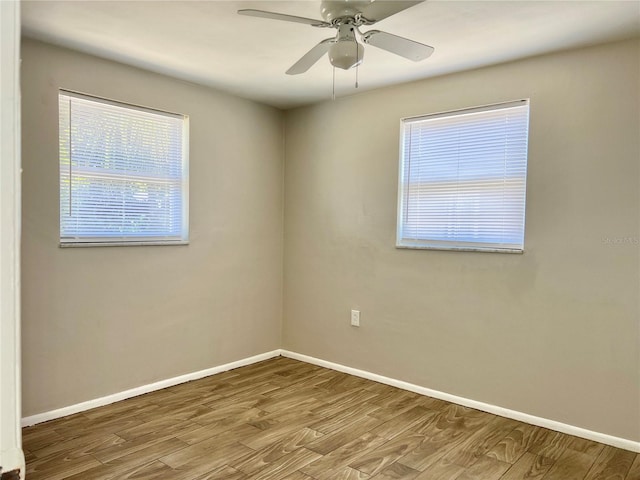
{"x":333,"y":93}
{"x":357,"y":64}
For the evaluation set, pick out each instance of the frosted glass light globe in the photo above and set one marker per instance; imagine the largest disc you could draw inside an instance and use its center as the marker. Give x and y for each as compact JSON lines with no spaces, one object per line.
{"x":346,"y":54}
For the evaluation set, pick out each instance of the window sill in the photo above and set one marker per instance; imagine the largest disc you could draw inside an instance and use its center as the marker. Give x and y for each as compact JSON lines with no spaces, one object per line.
{"x":122,"y":244}
{"x":460,"y":249}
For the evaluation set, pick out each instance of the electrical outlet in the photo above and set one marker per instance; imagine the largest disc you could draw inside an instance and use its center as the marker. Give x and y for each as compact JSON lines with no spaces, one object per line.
{"x":355,"y":318}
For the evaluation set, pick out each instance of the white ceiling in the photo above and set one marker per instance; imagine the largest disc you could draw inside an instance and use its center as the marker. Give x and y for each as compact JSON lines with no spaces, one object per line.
{"x":206,"y":42}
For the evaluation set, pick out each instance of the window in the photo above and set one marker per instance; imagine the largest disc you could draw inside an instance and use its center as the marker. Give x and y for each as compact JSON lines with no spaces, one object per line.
{"x":123,"y":173}
{"x":462,"y":179}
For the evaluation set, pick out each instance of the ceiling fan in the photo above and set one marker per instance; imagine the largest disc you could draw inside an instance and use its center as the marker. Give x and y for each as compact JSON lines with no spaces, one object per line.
{"x":347,"y":16}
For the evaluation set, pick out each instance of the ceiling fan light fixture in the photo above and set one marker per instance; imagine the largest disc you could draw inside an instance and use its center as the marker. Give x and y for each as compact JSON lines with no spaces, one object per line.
{"x":347,"y":16}
{"x":346,"y":54}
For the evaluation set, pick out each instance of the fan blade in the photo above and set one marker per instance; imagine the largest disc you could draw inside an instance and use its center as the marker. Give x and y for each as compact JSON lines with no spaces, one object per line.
{"x":281,"y":16}
{"x":399,"y":45}
{"x":311,"y":57}
{"x":380,"y":9}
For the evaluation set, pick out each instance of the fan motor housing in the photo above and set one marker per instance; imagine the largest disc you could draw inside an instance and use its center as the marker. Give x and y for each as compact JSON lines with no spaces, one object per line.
{"x":334,"y":9}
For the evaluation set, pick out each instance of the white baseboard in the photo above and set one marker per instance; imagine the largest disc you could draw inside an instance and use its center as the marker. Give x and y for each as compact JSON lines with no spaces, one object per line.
{"x":134,"y":392}
{"x":485,"y":407}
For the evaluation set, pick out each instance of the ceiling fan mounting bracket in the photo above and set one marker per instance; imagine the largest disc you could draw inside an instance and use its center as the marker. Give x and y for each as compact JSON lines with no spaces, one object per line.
{"x":357,"y":21}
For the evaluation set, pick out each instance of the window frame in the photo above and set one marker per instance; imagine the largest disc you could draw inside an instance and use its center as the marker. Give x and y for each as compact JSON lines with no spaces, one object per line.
{"x":458,"y":245}
{"x":66,"y":242}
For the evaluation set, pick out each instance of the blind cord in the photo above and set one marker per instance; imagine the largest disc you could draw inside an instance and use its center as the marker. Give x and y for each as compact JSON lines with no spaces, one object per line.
{"x":70,"y":163}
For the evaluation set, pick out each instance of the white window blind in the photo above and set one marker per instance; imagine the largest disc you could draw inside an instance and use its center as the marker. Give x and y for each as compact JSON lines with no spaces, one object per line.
{"x":123,"y":173}
{"x":462,"y":179}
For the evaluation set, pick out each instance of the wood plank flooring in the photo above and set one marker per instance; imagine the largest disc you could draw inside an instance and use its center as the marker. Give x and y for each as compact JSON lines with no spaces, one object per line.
{"x":284,"y":419}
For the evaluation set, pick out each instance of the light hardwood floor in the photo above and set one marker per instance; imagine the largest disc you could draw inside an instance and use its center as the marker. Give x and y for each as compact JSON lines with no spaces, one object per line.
{"x":284,"y":419}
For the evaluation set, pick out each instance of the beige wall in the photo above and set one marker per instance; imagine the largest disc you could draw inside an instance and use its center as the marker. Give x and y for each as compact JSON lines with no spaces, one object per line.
{"x":553,"y":332}
{"x":101,"y":320}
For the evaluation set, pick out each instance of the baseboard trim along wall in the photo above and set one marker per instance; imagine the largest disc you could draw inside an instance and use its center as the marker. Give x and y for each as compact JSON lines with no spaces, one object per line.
{"x":485,"y":407}
{"x":134,"y":392}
